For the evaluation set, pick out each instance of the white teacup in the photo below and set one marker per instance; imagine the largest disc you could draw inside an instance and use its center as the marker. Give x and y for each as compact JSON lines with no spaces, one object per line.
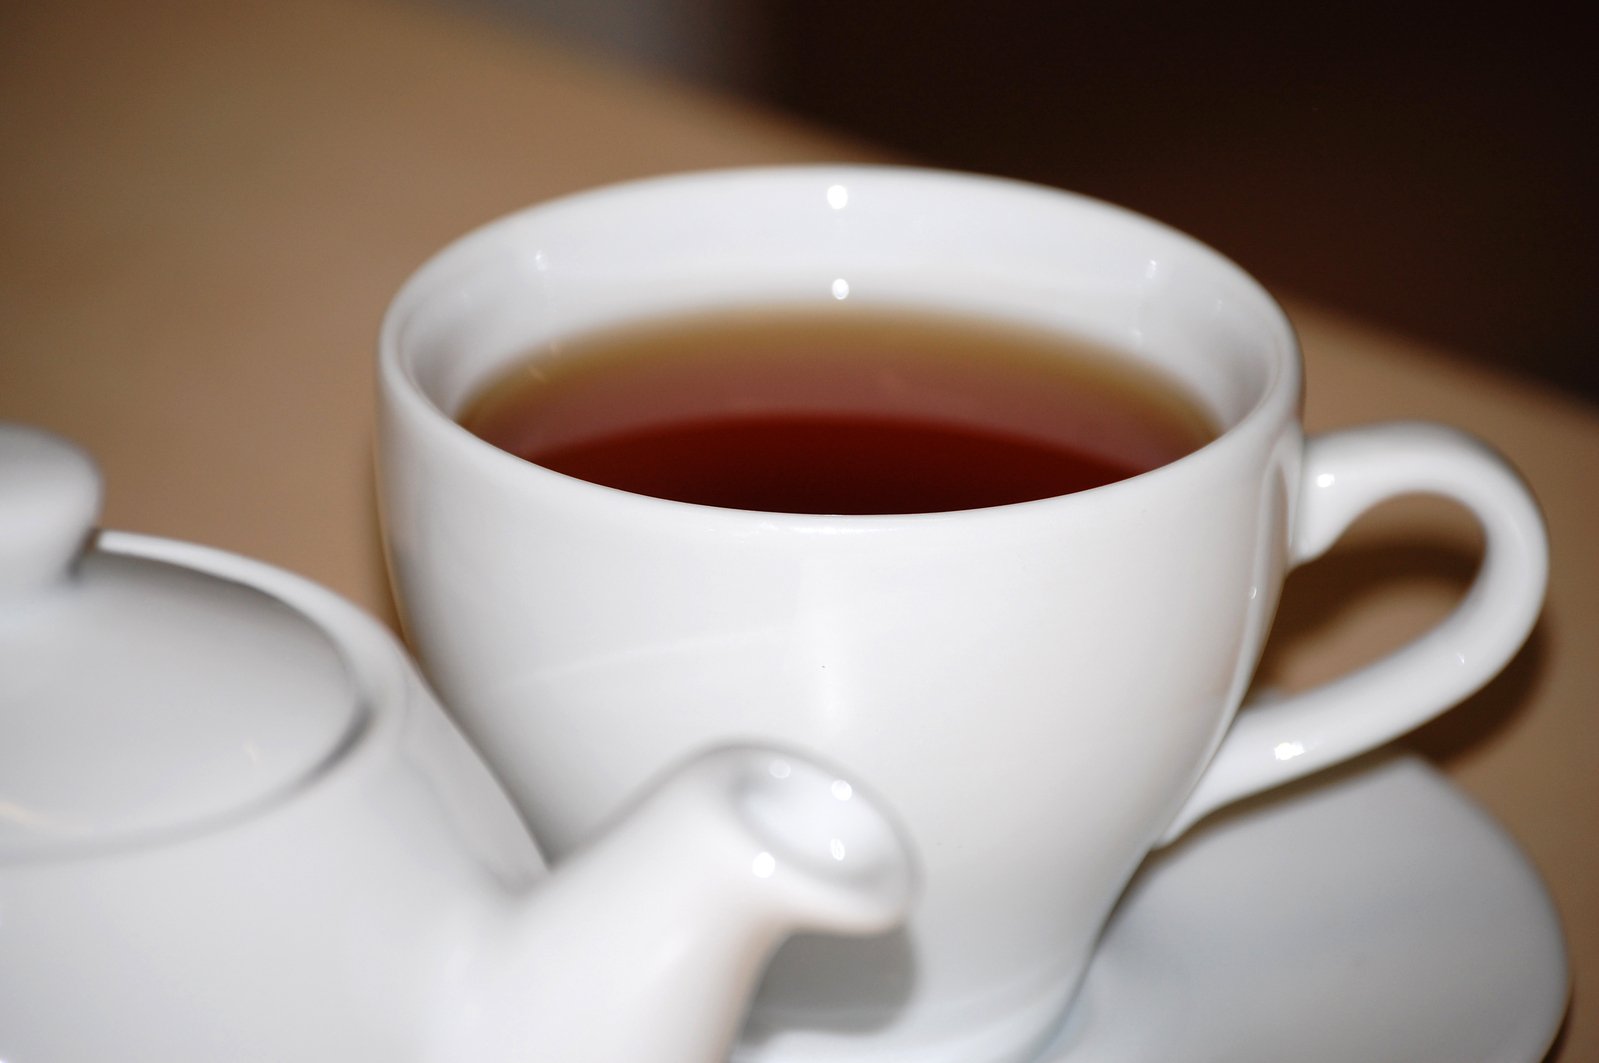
{"x":1044,"y":690}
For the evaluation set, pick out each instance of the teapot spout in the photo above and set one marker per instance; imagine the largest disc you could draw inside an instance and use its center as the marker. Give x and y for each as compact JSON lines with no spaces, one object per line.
{"x":649,"y":943}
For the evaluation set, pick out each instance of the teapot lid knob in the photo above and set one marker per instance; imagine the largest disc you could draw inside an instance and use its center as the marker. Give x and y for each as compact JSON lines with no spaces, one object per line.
{"x":49,"y":501}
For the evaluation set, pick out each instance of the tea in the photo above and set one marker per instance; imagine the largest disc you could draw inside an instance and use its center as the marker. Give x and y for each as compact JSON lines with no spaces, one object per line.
{"x":838,"y":410}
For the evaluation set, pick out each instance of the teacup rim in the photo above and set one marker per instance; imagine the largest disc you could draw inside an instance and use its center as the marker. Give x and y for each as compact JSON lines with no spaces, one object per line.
{"x":1280,"y":393}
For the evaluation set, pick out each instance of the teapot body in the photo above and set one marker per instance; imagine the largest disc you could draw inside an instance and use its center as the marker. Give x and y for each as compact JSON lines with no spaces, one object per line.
{"x":236,"y":825}
{"x":316,"y":926}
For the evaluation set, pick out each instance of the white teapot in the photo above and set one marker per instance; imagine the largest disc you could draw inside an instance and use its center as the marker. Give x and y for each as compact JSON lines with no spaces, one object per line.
{"x":235,"y":825}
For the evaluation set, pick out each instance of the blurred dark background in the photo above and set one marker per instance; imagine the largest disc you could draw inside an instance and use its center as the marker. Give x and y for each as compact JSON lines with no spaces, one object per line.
{"x":1424,"y":166}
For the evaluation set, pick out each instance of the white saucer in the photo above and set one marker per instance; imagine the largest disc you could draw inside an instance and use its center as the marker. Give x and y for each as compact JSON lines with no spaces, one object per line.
{"x":1376,"y":914}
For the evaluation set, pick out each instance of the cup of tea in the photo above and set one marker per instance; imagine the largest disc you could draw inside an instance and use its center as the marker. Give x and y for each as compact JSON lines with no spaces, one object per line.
{"x":983,"y":490}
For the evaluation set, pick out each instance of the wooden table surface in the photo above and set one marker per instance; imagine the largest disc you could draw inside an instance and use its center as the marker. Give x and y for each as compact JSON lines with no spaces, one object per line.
{"x":204,"y":209}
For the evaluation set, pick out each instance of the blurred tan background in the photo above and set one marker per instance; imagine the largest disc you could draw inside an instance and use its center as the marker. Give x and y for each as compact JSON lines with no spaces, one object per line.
{"x":1426,"y":166}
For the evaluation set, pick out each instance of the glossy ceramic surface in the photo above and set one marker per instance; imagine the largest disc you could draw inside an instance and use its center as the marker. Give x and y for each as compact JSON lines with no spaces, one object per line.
{"x":1043,"y":691}
{"x":1376,"y":914}
{"x":1067,"y":668}
{"x":234,"y":824}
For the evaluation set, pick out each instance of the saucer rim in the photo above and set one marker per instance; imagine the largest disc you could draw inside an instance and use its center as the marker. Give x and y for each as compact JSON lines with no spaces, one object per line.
{"x":1551,"y":993}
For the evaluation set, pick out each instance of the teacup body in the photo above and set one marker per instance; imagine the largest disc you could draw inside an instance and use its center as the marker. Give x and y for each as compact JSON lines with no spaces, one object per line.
{"x":1037,"y":688}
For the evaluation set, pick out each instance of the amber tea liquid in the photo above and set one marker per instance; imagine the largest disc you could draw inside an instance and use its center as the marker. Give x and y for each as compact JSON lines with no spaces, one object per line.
{"x":837,"y":410}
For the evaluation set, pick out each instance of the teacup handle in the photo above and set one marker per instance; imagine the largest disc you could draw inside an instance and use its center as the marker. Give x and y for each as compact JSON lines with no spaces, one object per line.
{"x":1346,"y":473}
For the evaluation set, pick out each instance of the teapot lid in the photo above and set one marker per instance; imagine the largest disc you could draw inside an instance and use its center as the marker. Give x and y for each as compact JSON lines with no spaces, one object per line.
{"x":140,"y":698}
